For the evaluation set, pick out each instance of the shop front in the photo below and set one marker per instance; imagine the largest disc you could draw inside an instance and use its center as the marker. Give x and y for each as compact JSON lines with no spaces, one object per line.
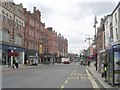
{"x":9,"y":53}
{"x":46,"y":58}
{"x":31,"y":56}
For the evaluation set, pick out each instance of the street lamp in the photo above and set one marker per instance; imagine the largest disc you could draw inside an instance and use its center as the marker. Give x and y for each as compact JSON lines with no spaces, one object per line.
{"x":95,"y":22}
{"x":89,"y":38}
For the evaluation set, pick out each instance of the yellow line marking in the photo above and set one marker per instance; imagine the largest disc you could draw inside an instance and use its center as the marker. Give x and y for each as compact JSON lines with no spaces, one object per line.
{"x":92,"y":80}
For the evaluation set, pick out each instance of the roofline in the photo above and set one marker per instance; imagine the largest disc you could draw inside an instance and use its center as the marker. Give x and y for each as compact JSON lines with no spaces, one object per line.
{"x":116,"y":7}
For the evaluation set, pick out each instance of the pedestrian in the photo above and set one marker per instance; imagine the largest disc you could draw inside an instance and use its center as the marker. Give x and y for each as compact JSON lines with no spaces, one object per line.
{"x":88,"y":63}
{"x":105,"y":70}
{"x":17,"y":62}
{"x":13,"y":63}
{"x":102,"y":70}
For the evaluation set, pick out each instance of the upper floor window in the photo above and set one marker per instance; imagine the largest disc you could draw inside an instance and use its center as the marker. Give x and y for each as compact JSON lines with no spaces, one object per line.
{"x":18,"y":40}
{"x":119,"y":14}
{"x":115,"y":17}
{"x":117,"y":33}
{"x":3,"y":15}
{"x":31,"y":22}
{"x":5,"y":35}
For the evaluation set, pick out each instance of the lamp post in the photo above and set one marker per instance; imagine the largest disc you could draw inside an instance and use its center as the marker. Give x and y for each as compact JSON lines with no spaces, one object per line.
{"x":89,"y":38}
{"x":95,"y":22}
{"x":13,"y":38}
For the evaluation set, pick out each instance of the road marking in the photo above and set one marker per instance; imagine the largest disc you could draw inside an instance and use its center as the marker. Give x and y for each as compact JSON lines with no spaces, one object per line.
{"x":81,"y":74}
{"x":68,"y":78}
{"x":62,"y":86}
{"x":66,"y":81}
{"x":92,"y":80}
{"x":77,"y":77}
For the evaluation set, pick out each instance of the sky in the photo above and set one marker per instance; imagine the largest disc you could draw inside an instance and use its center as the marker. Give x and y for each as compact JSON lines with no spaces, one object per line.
{"x":74,"y":19}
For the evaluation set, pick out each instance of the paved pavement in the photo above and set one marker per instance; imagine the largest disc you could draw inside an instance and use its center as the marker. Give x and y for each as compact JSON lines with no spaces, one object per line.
{"x":21,"y":66}
{"x":97,"y":76}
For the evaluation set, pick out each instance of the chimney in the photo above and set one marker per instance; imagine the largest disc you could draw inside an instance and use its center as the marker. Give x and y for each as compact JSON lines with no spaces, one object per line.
{"x":34,"y":9}
{"x":25,"y":9}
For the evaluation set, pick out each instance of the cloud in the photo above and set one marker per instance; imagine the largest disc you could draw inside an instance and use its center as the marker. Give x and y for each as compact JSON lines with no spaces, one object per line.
{"x":74,"y":19}
{"x":98,"y":8}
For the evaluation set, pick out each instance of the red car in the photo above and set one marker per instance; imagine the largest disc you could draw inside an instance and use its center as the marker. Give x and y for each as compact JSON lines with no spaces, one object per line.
{"x":66,"y":62}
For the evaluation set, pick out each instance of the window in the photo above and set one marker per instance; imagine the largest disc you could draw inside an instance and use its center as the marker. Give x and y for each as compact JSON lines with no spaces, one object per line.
{"x":116,"y":33}
{"x":3,"y":15}
{"x":115,"y":17}
{"x":18,"y":40}
{"x":16,"y":24}
{"x":6,"y":19}
{"x":10,"y":20}
{"x":119,"y":14}
{"x":5,"y":35}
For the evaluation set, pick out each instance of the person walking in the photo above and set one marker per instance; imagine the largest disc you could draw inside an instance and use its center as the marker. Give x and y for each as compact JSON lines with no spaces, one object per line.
{"x":17,"y":62}
{"x":102,"y":70}
{"x":105,"y":70}
{"x":88,"y":63}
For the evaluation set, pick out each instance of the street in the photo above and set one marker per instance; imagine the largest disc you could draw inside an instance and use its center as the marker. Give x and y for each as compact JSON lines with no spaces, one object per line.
{"x":61,"y":76}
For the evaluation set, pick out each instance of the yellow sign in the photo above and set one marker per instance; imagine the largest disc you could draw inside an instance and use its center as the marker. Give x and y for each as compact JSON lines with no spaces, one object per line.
{"x":40,"y":49}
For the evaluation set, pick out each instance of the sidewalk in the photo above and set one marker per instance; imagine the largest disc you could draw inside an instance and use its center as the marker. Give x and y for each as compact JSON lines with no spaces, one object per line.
{"x":98,"y":77}
{"x":21,"y":66}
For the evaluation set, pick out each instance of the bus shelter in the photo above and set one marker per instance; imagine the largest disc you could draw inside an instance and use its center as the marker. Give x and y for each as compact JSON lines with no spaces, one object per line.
{"x":113,"y":59}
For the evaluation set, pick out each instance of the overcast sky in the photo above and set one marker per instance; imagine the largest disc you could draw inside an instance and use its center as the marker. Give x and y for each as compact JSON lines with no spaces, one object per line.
{"x":74,"y":19}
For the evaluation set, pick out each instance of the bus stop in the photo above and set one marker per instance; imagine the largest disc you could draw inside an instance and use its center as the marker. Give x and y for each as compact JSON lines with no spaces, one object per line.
{"x":113,"y":59}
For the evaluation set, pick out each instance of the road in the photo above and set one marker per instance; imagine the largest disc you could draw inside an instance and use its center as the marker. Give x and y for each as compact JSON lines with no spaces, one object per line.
{"x":49,"y":76}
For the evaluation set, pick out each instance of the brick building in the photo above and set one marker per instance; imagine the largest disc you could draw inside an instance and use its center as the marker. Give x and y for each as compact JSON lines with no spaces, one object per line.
{"x":34,"y":34}
{"x":24,"y":36}
{"x":12,"y":32}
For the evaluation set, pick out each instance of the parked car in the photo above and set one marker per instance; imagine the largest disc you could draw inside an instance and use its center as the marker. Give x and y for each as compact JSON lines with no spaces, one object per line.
{"x":66,"y":62}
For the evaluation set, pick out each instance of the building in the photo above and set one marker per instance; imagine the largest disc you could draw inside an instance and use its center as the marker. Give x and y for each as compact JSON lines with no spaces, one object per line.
{"x":52,"y":42}
{"x":24,"y":36}
{"x":34,"y":31}
{"x":101,"y":43}
{"x":116,"y":24}
{"x":108,"y":32}
{"x":12,"y":31}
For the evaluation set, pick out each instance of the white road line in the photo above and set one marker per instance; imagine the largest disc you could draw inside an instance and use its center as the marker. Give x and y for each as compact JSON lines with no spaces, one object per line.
{"x":66,"y":81}
{"x":92,"y":80}
{"x":62,"y":86}
{"x":77,"y":77}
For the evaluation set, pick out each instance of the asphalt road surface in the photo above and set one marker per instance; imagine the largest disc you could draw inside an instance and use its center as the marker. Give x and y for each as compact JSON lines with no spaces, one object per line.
{"x":61,"y":76}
